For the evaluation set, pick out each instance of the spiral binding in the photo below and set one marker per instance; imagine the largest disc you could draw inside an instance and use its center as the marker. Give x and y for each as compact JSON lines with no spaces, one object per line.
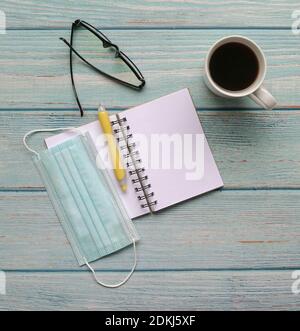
{"x":130,"y":153}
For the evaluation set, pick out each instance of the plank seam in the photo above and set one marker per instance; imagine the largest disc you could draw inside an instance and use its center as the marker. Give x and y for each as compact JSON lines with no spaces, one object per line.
{"x":145,"y":28}
{"x":278,"y":269}
{"x":91,"y":110}
{"x":229,"y":189}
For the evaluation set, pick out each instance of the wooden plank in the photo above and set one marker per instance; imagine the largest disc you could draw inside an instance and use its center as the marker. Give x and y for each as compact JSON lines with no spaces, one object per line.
{"x":215,"y":290}
{"x":253,"y":149}
{"x":35,"y":69}
{"x":229,"y":229}
{"x":150,"y":13}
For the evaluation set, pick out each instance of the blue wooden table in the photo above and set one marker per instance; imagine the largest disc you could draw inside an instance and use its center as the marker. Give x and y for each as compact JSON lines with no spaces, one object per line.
{"x":231,"y":249}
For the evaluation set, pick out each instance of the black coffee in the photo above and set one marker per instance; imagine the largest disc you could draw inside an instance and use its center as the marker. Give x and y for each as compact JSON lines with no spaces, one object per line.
{"x":234,"y":66}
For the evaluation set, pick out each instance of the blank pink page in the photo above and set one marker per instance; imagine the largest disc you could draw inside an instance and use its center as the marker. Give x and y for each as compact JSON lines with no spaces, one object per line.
{"x":170,"y":115}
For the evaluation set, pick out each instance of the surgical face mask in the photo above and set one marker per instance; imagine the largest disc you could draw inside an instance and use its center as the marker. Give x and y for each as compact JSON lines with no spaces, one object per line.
{"x":92,"y":216}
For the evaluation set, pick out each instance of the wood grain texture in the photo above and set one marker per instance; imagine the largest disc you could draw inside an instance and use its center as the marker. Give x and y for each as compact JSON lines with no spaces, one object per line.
{"x":229,"y":229}
{"x":234,"y":249}
{"x":214,"y":290}
{"x":150,"y":13}
{"x":34,"y":69}
{"x":253,"y":149}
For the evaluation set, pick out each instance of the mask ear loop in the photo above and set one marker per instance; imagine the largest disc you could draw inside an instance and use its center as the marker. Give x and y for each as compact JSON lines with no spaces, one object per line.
{"x":122,"y":282}
{"x":30,"y":133}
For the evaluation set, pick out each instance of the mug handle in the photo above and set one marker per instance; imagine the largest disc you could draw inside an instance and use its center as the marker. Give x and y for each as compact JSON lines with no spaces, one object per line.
{"x":264,"y":98}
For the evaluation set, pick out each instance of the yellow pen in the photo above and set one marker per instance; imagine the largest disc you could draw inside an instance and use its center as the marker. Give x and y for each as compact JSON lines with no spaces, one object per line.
{"x":114,"y":151}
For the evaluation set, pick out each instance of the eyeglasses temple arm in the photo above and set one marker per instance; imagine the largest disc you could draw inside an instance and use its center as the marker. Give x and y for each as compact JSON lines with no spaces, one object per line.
{"x":104,"y":73}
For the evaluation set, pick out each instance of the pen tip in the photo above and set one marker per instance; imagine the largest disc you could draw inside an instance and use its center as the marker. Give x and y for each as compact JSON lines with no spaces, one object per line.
{"x":124,"y":188}
{"x":101,"y":108}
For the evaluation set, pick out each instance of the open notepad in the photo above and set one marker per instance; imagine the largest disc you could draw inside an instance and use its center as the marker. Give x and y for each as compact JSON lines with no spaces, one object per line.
{"x":154,"y":129}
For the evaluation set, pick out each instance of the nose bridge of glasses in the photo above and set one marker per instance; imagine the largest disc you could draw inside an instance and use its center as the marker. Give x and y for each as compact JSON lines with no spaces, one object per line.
{"x":115,"y":47}
{"x":106,"y":44}
{"x":117,"y":52}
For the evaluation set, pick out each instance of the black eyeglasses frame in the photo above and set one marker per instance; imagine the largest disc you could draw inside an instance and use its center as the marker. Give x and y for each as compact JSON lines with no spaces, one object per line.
{"x":106,"y":43}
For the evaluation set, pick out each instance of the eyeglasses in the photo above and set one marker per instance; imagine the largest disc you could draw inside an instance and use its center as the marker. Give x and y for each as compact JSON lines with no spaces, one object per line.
{"x":106,"y":44}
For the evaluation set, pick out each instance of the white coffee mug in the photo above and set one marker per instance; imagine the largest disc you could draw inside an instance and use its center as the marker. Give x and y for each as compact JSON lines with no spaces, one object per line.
{"x":256,"y":91}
